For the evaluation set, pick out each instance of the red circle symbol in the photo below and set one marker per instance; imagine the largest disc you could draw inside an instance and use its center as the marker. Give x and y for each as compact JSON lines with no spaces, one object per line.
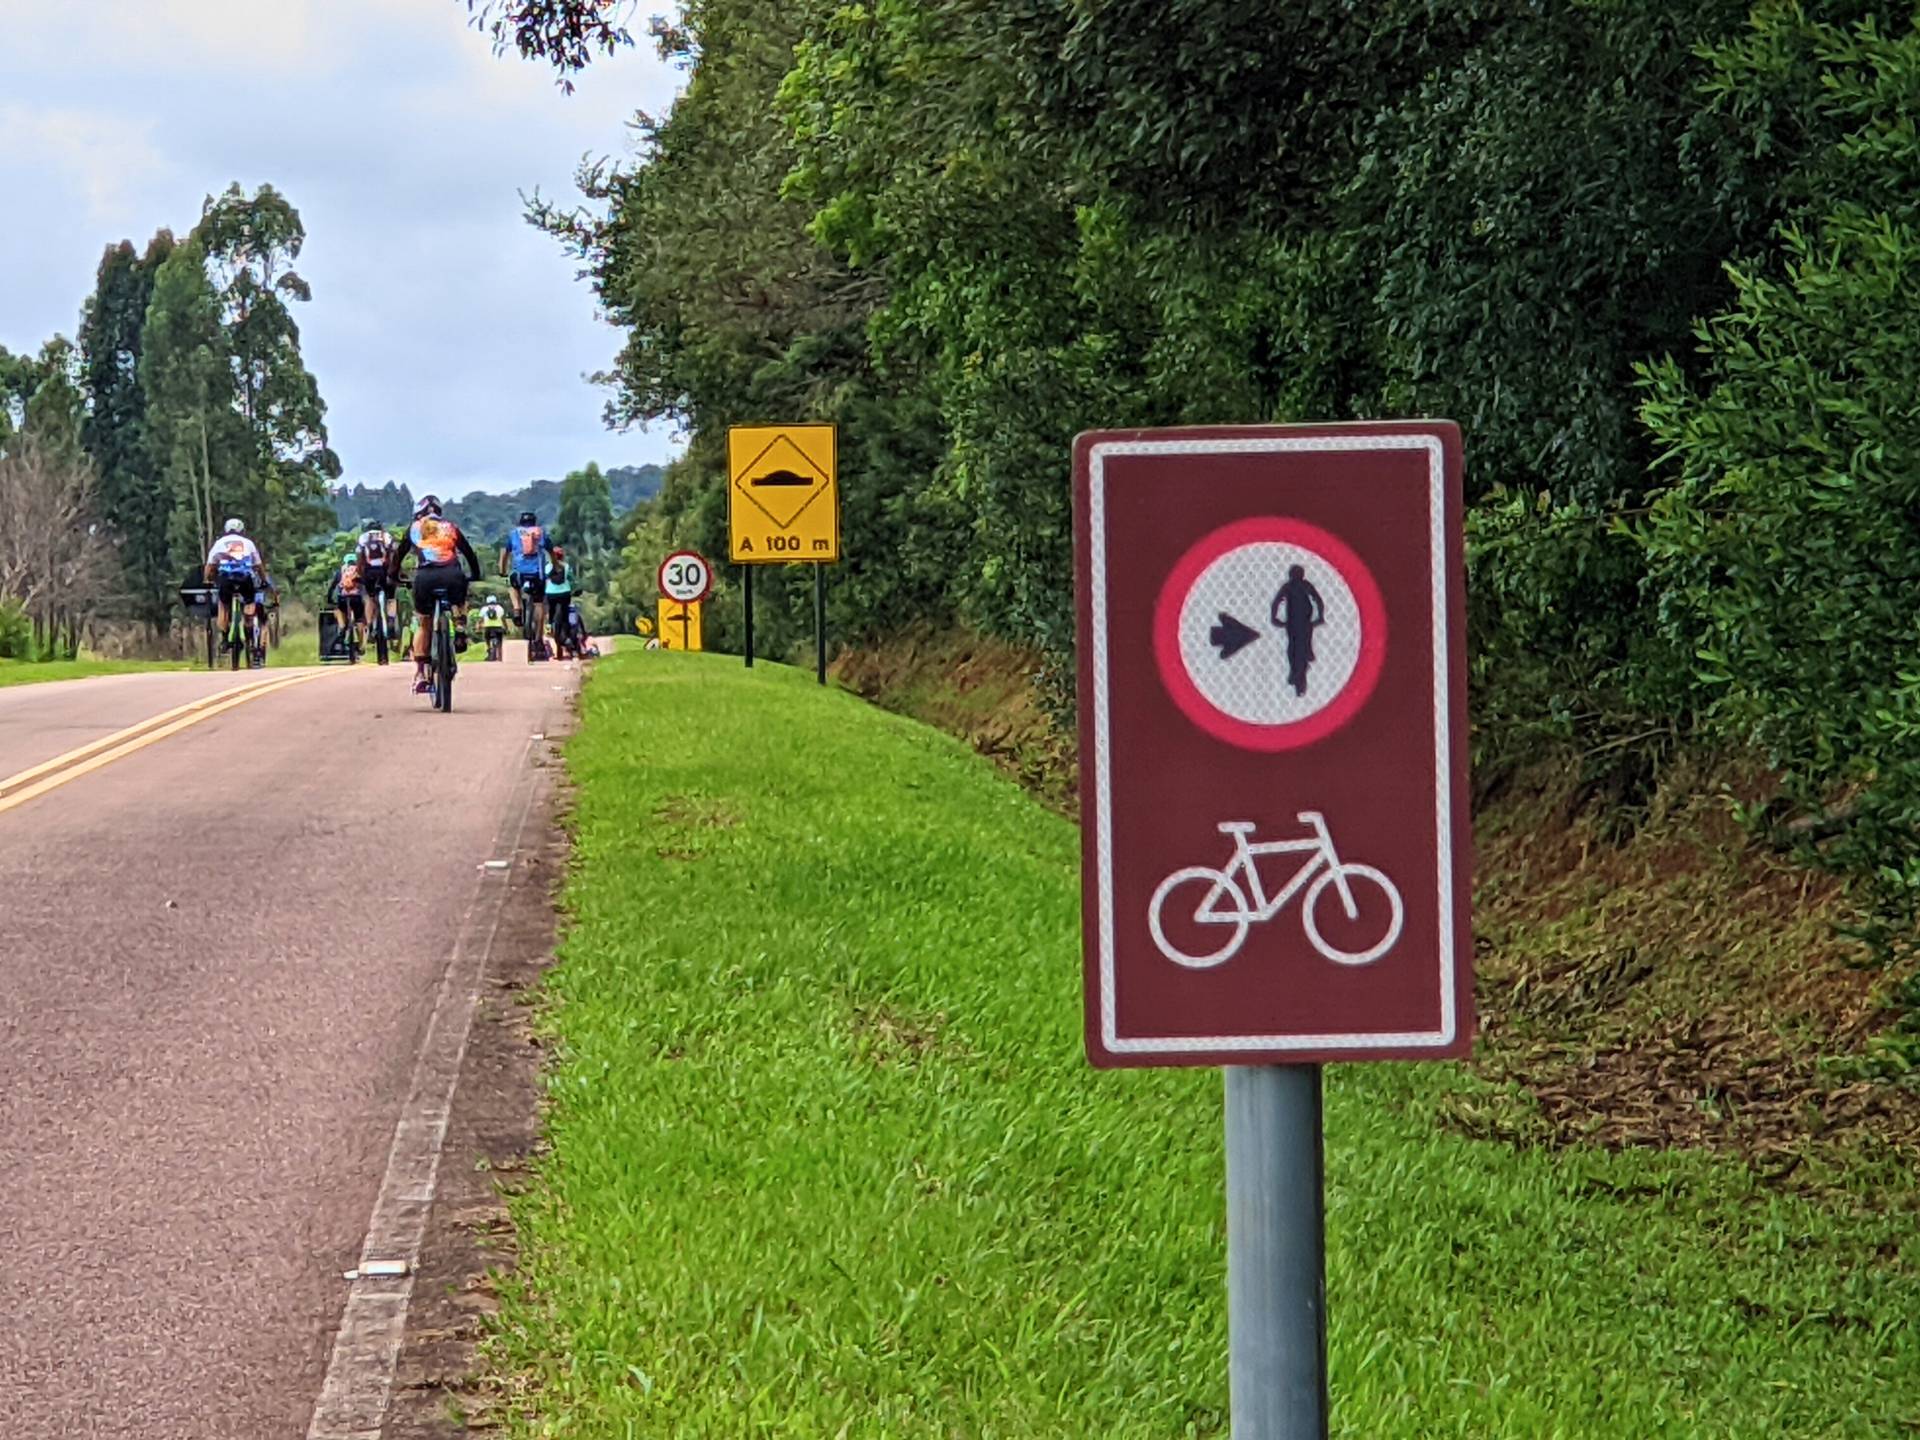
{"x":686,"y":576}
{"x":1203,"y":711}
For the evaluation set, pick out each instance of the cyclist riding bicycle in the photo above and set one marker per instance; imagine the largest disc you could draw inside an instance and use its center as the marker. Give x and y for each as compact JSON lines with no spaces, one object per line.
{"x":347,"y":595}
{"x":559,"y":592}
{"x":375,"y":552}
{"x":440,"y":546}
{"x":234,"y":563}
{"x":493,"y":623}
{"x":523,"y":560}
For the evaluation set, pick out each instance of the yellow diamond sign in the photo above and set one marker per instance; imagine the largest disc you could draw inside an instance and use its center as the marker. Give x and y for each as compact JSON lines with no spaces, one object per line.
{"x":784,"y":502}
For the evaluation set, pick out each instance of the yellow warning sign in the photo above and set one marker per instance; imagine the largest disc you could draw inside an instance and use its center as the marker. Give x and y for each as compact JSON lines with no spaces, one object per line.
{"x":680,"y":624}
{"x":784,"y":500}
{"x":643,"y":624}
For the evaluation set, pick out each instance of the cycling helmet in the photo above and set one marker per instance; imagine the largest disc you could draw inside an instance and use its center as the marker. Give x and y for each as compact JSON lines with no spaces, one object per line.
{"x":493,"y":599}
{"x":236,"y":526}
{"x":348,"y":558}
{"x":558,"y":553}
{"x":429,"y":505}
{"x":527,"y":517}
{"x":367,"y":524}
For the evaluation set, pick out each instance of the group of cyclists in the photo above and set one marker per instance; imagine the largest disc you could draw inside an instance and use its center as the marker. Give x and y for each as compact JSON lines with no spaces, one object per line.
{"x":365,"y":585}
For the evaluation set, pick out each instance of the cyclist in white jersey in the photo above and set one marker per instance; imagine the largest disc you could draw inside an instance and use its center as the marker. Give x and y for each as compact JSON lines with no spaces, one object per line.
{"x":234,"y":564}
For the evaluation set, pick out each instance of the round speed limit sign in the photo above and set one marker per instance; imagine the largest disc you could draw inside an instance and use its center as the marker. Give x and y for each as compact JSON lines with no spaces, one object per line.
{"x":686,"y":576}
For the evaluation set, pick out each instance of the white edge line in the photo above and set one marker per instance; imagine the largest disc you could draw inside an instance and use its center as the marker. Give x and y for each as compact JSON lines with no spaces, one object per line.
{"x":358,"y":1387}
{"x":1443,"y":744}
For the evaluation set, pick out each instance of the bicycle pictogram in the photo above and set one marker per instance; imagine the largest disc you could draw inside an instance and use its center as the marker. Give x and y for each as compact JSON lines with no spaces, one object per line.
{"x":1235,"y":899}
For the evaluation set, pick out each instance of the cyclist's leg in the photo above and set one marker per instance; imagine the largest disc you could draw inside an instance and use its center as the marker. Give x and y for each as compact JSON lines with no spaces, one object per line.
{"x":424,"y":584}
{"x":457,"y":599}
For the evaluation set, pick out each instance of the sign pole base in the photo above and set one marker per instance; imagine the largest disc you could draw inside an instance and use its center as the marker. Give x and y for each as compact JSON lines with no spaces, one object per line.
{"x":1276,"y":1253}
{"x":747,"y":584}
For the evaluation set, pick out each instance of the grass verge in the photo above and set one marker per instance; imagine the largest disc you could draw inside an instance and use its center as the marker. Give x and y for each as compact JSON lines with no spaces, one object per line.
{"x":827,"y":1161}
{"x":35,"y":672}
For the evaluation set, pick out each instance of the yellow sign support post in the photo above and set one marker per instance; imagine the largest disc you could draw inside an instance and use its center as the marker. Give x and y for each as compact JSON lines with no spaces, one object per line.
{"x":783,"y":506}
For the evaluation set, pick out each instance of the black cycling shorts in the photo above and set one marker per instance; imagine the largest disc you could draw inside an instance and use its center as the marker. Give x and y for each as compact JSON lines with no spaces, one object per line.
{"x":429,"y":578}
{"x":533,"y":587}
{"x":242,"y":585}
{"x":355,"y":606}
{"x":377,"y":582}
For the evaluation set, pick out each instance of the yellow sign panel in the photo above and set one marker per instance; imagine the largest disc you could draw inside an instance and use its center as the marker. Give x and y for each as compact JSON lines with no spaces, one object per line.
{"x":784,"y":500}
{"x":680,"y":624}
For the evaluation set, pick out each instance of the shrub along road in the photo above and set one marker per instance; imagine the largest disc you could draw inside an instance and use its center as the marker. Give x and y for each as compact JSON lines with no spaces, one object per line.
{"x":826,"y":1158}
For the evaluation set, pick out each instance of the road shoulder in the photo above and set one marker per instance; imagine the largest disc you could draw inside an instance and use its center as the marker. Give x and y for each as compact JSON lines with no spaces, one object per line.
{"x":492,"y":1136}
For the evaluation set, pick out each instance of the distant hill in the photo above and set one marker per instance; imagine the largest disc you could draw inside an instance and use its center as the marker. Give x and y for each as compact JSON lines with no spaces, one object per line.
{"x":488,"y":517}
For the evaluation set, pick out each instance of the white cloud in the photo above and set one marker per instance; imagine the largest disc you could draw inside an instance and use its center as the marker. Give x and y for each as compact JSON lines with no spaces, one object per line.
{"x":99,"y":158}
{"x":449,"y":338}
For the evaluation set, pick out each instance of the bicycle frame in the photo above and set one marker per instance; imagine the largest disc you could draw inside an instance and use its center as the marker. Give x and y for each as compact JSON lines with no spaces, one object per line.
{"x":1319,"y":845}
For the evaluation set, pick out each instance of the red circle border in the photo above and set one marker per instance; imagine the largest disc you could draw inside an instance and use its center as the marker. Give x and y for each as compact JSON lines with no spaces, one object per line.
{"x":660,"y":576}
{"x":1243,"y":734}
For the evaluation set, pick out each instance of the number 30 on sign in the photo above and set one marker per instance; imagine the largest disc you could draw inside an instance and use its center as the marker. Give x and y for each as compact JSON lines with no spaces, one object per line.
{"x":686,"y":576}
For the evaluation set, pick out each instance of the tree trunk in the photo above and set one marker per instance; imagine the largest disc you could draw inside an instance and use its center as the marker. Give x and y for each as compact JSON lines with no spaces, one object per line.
{"x":206,"y":489}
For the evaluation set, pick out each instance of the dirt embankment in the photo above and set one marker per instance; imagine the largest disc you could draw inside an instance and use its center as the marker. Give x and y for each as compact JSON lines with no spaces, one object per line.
{"x":1680,"y":987}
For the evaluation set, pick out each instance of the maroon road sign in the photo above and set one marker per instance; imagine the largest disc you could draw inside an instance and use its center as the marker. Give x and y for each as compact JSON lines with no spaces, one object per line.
{"x":1273,"y":744}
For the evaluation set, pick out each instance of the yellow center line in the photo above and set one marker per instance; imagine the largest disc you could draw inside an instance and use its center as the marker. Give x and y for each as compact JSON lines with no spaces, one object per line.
{"x":52,"y":774}
{"x":107,"y":742}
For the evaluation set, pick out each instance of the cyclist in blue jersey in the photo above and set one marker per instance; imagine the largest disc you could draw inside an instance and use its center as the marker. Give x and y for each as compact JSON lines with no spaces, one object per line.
{"x":523,"y":559}
{"x":441,"y":547}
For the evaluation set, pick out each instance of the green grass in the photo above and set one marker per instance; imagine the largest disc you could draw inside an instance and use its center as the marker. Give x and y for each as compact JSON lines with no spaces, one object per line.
{"x":827,"y":1160}
{"x":34,"y":672}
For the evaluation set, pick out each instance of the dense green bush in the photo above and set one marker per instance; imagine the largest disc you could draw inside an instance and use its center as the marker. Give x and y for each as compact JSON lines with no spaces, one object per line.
{"x":1654,"y":256}
{"x":16,"y":631}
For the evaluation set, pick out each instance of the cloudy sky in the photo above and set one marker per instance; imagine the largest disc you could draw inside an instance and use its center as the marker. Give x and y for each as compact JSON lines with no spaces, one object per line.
{"x":451,"y":340}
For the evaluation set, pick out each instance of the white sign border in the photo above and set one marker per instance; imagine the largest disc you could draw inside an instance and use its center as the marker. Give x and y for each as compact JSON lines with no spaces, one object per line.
{"x":1110,"y":1037}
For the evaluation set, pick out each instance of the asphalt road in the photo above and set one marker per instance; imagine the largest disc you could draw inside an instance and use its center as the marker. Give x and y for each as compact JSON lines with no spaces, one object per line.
{"x":224,"y":949}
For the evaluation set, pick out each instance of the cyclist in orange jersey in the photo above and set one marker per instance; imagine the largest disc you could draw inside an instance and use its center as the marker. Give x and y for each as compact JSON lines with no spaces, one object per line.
{"x":441,"y":547}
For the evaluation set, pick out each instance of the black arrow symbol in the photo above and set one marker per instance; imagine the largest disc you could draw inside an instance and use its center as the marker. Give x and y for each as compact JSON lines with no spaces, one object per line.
{"x":1230,"y":636}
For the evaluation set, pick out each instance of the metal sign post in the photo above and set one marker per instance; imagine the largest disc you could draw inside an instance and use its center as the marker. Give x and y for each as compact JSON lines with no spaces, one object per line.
{"x":746,"y":583}
{"x":820,"y":622}
{"x":1276,"y":1253}
{"x":1273,"y":747}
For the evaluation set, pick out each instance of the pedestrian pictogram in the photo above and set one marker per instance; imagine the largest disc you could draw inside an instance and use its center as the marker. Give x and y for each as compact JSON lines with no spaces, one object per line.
{"x":1270,"y":633}
{"x":783,"y":500}
{"x":1273,"y":736}
{"x":680,"y":624}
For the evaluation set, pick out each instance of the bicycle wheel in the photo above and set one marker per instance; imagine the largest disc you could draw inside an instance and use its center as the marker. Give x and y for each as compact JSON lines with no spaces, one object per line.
{"x":1221,"y":904}
{"x":1396,"y":912}
{"x":444,"y":664}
